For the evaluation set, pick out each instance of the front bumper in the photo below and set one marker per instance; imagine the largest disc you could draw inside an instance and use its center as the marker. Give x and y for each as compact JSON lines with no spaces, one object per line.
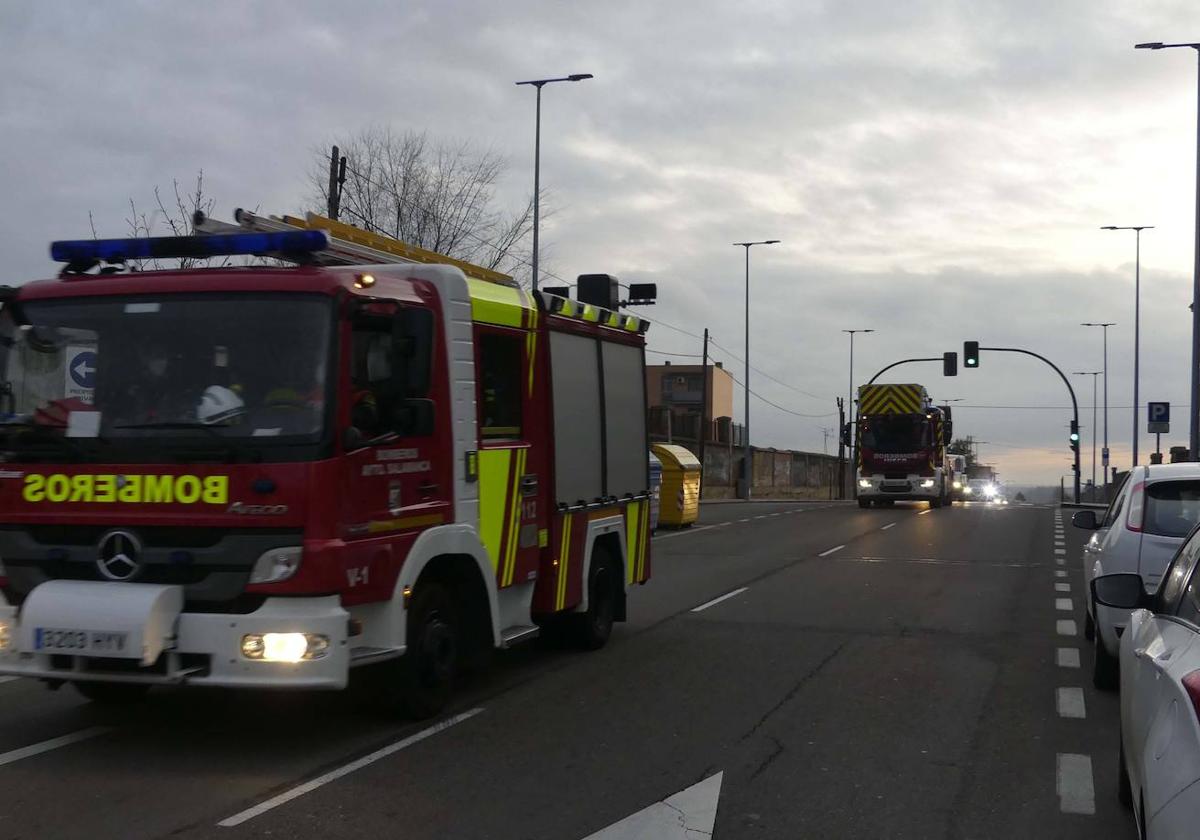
{"x":203,"y":648}
{"x":909,"y":489}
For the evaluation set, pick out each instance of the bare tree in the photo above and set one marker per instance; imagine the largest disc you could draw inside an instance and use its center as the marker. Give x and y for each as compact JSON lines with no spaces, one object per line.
{"x":436,"y":196}
{"x":176,"y":220}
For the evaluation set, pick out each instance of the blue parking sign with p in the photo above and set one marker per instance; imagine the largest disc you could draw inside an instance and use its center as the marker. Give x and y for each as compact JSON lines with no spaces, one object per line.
{"x":1158,"y":417}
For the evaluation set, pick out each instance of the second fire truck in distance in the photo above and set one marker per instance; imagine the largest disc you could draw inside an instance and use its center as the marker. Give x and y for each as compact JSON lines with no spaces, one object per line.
{"x":902,"y":439}
{"x":266,"y":476}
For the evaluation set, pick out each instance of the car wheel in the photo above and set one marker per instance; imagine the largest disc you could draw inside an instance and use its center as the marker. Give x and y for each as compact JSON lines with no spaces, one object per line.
{"x":1105,"y":667}
{"x":112,"y":693}
{"x":431,"y":663}
{"x":593,"y":626}
{"x":864,"y":503}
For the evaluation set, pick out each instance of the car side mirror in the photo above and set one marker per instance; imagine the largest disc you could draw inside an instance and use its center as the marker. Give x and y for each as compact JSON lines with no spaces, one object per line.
{"x":1085,"y":519}
{"x":414,"y":418}
{"x":1123,"y":591}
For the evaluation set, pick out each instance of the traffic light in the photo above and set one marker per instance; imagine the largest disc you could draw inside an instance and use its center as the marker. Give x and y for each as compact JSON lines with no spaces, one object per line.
{"x":971,"y":354}
{"x":1074,"y":436}
{"x":950,"y":364}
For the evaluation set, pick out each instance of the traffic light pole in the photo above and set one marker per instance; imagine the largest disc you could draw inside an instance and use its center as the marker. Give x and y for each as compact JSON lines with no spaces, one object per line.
{"x":1070,"y":390}
{"x":871,"y":381}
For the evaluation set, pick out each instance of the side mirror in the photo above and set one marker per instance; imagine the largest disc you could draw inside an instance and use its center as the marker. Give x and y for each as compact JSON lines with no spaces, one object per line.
{"x":1085,"y":519}
{"x":414,"y":418}
{"x":947,"y":432}
{"x":353,"y":438}
{"x":1124,"y":591}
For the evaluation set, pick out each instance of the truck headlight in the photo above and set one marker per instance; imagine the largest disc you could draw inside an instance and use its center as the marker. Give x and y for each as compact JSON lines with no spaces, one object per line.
{"x":968,"y":490}
{"x":864,"y":483}
{"x":284,"y":647}
{"x":277,"y":564}
{"x":927,"y":483}
{"x":958,"y":485}
{"x":5,"y":635}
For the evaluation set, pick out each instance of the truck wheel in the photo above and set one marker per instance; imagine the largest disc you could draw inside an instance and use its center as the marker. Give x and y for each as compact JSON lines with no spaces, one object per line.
{"x":1105,"y":668}
{"x":864,"y":503}
{"x":593,"y":627}
{"x":935,"y":502}
{"x":112,"y":693}
{"x":431,"y":661}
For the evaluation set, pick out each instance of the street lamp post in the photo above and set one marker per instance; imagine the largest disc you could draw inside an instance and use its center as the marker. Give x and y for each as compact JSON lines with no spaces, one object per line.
{"x":1104,"y":461}
{"x":1194,"y":408}
{"x":850,"y":403}
{"x":1137,"y":323}
{"x":537,"y":156}
{"x":747,"y":467}
{"x":1093,"y":374}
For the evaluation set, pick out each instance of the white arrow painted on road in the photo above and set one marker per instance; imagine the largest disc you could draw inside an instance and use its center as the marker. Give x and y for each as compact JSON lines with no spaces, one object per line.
{"x":688,"y":815}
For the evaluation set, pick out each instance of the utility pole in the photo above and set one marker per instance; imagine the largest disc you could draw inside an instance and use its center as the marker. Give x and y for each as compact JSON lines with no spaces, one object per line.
{"x":337,"y":177}
{"x":841,"y":461}
{"x":702,"y":433}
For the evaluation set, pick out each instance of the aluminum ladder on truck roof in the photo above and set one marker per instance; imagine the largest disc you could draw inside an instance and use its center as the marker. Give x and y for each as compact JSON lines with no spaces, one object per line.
{"x":348,"y":245}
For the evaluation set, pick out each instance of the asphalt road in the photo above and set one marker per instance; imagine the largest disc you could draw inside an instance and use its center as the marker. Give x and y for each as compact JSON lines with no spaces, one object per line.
{"x":877,"y":673}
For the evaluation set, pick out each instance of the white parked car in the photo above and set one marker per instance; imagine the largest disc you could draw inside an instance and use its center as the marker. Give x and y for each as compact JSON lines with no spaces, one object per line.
{"x":1139,"y":533}
{"x":1158,"y":772}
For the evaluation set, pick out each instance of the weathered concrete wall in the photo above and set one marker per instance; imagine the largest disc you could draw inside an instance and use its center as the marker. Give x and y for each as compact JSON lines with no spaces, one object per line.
{"x":778,"y":473}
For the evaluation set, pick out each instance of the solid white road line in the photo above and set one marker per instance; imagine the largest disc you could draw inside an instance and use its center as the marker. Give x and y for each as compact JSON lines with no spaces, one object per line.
{"x":4,"y":680}
{"x":716,"y":601}
{"x":1076,"y":794}
{"x":1066,"y":627}
{"x":1064,"y":604}
{"x":1070,"y":703}
{"x":333,"y":775}
{"x":53,"y":744}
{"x":889,"y":525}
{"x":831,"y":551}
{"x":1062,"y":587}
{"x":1068,"y":657}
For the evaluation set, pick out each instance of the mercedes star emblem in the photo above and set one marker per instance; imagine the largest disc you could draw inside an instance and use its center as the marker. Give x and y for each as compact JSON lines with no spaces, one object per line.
{"x":118,"y":558}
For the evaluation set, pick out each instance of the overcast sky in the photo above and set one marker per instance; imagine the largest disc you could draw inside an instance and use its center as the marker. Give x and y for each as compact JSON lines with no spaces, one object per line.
{"x":937,"y":170}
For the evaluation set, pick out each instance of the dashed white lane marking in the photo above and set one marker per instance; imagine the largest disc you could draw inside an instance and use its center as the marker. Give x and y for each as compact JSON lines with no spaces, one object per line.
{"x":747,"y":519}
{"x":1062,"y":561}
{"x":4,"y":680}
{"x":1062,"y":587}
{"x":1067,"y":657}
{"x":831,"y":551}
{"x":1064,"y":604}
{"x":346,"y":769}
{"x":1070,"y":703}
{"x":53,"y":744}
{"x":1060,"y":572}
{"x":716,"y":601}
{"x":694,"y":530}
{"x":1076,"y":794}
{"x":1060,"y":551}
{"x":1066,"y":627}
{"x":889,"y":525}
{"x":927,"y":510}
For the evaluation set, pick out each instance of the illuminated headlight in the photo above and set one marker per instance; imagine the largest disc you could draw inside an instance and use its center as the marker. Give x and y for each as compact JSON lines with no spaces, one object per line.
{"x":968,"y":490}
{"x":927,"y":483}
{"x":5,"y":635}
{"x":284,"y":647}
{"x":958,"y":485}
{"x":989,"y":490}
{"x":864,"y":483}
{"x":276,"y":565}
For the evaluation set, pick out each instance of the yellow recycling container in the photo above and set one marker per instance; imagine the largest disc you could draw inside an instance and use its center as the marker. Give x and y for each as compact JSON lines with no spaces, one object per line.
{"x":680,"y":505}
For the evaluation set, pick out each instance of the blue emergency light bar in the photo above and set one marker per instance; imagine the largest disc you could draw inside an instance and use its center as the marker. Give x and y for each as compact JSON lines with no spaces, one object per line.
{"x":89,"y":252}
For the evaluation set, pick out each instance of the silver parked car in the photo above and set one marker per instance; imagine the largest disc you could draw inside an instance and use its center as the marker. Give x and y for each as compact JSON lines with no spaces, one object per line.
{"x":1139,"y":533}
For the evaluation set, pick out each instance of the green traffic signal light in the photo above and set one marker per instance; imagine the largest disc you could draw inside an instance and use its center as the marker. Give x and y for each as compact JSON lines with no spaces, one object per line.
{"x":971,"y":354}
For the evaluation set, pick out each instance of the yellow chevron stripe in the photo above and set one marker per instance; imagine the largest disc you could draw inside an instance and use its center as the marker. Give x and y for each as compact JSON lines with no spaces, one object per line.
{"x":514,"y":514}
{"x":643,"y":540}
{"x":890,"y":399}
{"x":564,"y":556}
{"x":531,"y":350}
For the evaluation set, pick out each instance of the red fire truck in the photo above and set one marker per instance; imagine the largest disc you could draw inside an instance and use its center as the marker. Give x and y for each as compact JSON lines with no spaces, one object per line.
{"x":267,"y":475}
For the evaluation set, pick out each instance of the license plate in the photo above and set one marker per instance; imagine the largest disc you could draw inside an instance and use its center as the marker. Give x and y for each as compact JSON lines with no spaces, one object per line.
{"x":93,"y":642}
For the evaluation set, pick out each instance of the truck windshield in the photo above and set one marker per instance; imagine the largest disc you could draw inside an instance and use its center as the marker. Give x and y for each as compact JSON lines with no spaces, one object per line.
{"x":130,"y":376}
{"x":895,"y":434}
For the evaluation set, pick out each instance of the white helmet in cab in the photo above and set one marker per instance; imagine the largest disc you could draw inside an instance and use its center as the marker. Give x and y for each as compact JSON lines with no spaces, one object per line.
{"x":219,"y":405}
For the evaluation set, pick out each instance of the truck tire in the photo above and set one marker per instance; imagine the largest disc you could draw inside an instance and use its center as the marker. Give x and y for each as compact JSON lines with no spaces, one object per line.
{"x":1105,"y":668}
{"x":864,"y":503}
{"x":592,"y":627}
{"x":430,"y":664}
{"x":935,"y":502}
{"x":112,"y":693}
